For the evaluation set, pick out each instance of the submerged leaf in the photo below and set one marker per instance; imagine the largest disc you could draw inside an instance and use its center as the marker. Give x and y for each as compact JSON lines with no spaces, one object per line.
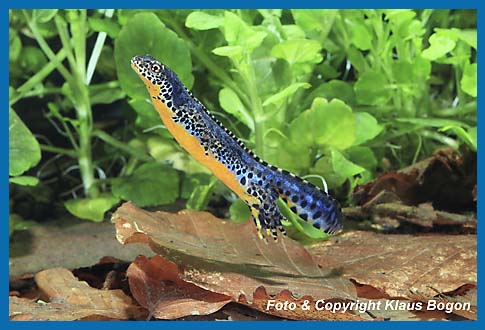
{"x":91,"y":208}
{"x":325,"y":124}
{"x":232,"y":104}
{"x":440,"y":45}
{"x":468,"y":81}
{"x":144,"y":34}
{"x":150,"y":184}
{"x":199,"y":20}
{"x":24,"y":150}
{"x":298,"y":51}
{"x":25,"y":180}
{"x":279,"y":98}
{"x":366,"y":127}
{"x":237,"y":32}
{"x":372,"y":88}
{"x":201,"y":195}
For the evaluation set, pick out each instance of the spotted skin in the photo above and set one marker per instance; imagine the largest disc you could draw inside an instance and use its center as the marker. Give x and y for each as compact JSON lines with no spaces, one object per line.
{"x":256,"y":182}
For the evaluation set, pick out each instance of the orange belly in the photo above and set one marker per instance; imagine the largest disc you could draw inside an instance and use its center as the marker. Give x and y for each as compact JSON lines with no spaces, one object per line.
{"x":192,"y":145}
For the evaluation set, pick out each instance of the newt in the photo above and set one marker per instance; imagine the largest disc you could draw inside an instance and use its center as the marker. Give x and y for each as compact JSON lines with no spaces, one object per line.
{"x":257,"y":183}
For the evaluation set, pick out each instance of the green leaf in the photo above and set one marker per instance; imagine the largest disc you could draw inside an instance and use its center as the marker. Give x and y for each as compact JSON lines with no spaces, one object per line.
{"x":468,"y":137}
{"x":361,"y":37}
{"x":400,"y":17}
{"x":147,"y":116}
{"x":25,"y":180}
{"x":107,"y":25}
{"x":335,"y":89}
{"x":32,"y":59}
{"x":16,"y":222}
{"x":44,"y":15}
{"x":469,"y":36}
{"x":372,"y":88}
{"x":234,"y":52}
{"x":473,"y":138}
{"x":362,"y":156}
{"x":432,"y":122}
{"x":316,"y":23}
{"x":24,"y":150}
{"x":298,"y":51}
{"x":143,"y":34}
{"x":237,"y":32}
{"x":293,"y":31}
{"x":91,"y":208}
{"x":231,"y":103}
{"x":267,"y":13}
{"x":343,"y":166}
{"x":282,"y":152}
{"x":325,"y":124}
{"x":356,"y":59}
{"x":406,"y":72}
{"x":151,"y":184}
{"x":199,"y":20}
{"x":107,"y":96}
{"x":192,"y":181}
{"x":440,"y":45}
{"x":239,"y":211}
{"x":324,"y":168}
{"x":468,"y":81}
{"x":201,"y":196}
{"x":366,"y":127}
{"x":279,"y":98}
{"x":15,"y":45}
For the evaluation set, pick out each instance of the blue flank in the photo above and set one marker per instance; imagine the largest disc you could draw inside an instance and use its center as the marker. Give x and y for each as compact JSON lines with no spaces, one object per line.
{"x":261,"y":180}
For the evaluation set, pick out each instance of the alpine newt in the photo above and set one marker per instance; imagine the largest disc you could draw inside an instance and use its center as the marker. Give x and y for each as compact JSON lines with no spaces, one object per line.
{"x":252,"y":179}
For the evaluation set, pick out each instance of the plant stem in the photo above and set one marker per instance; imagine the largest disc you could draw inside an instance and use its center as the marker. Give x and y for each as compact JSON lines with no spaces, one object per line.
{"x":440,"y":138}
{"x":41,"y":92}
{"x":84,"y":115}
{"x":79,"y":97}
{"x":122,"y":146}
{"x":82,"y":104}
{"x":46,"y":49}
{"x":248,"y":76}
{"x":65,"y":41}
{"x":58,"y":150}
{"x":37,"y":78}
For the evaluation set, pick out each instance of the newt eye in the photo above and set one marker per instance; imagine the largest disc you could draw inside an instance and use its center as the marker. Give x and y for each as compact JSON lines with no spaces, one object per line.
{"x":156,"y":68}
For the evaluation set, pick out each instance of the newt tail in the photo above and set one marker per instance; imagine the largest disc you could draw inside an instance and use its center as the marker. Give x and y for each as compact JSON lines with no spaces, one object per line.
{"x":256,"y":182}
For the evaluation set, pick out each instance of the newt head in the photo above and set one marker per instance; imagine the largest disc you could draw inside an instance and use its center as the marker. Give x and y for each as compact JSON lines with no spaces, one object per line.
{"x":162,"y":83}
{"x":151,"y":71}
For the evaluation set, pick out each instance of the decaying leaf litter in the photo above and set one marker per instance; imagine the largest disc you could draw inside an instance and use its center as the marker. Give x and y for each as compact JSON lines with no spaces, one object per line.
{"x":204,"y":265}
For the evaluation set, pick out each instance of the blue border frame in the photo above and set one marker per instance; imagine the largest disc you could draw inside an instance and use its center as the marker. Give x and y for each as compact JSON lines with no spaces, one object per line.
{"x":4,"y":206}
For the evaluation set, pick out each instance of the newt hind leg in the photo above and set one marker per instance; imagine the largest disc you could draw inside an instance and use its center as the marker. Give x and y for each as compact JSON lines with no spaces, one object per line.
{"x":266,"y":215}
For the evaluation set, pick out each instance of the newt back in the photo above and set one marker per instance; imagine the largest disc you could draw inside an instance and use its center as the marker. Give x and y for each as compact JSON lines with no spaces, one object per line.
{"x":209,"y":142}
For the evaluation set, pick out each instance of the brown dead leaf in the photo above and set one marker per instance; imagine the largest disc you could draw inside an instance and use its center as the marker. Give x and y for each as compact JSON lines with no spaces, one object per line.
{"x":70,"y":299}
{"x":446,"y":179}
{"x":469,"y":296}
{"x":391,"y":214}
{"x":229,"y":258}
{"x":304,"y":307}
{"x":402,"y":265}
{"x":155,"y":284}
